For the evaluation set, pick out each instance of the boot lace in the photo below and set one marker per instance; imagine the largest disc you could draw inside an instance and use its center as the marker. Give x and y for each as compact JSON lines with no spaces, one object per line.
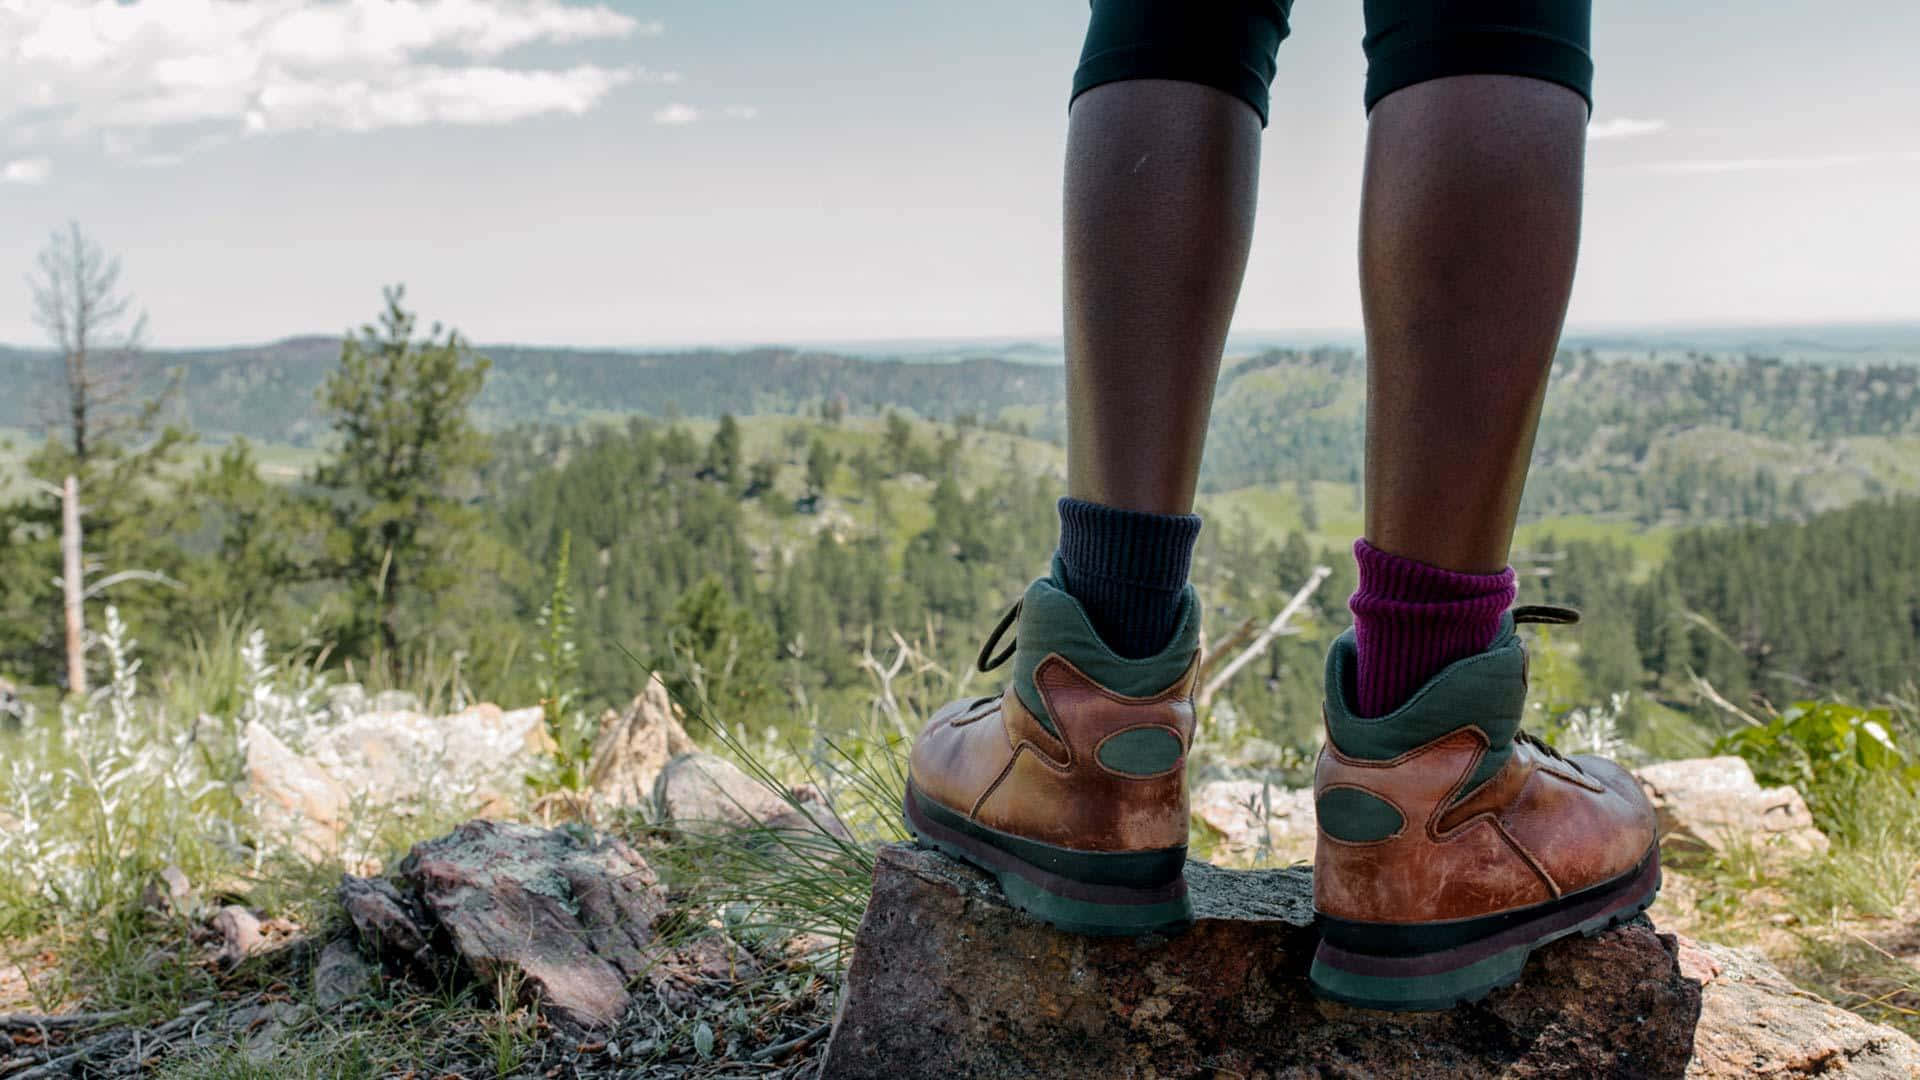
{"x":1551,"y":614}
{"x":988,"y":659}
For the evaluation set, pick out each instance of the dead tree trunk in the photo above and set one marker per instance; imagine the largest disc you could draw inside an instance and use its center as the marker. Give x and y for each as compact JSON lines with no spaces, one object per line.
{"x":72,"y":585}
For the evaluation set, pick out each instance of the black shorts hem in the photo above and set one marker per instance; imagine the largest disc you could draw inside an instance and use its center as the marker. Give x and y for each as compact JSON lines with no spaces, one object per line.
{"x":1482,"y":50}
{"x":1150,"y":62}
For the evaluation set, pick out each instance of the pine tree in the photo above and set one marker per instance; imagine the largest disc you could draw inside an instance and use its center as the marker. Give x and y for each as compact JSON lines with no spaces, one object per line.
{"x":723,"y":452}
{"x":400,"y":533}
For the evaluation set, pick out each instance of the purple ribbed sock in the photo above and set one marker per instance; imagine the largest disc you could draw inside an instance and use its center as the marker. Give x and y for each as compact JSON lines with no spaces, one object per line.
{"x":1410,"y":620}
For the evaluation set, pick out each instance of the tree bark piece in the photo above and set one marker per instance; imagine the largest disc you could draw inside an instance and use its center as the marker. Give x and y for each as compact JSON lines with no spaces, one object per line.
{"x":565,"y":922}
{"x":948,"y":980}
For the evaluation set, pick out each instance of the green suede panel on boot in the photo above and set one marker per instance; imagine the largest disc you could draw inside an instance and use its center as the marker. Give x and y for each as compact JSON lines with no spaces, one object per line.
{"x":1051,"y":621}
{"x":1487,"y":690}
{"x":1141,"y":751}
{"x":1358,"y":817}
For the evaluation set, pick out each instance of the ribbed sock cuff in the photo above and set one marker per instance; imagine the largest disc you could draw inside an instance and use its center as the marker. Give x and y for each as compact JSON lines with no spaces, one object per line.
{"x":1410,"y":620}
{"x":1127,"y":569}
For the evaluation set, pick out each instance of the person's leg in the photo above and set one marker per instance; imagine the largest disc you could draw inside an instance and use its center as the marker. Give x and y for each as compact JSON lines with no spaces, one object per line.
{"x":1451,"y":845}
{"x":1161,"y":177}
{"x":1469,"y":224}
{"x":1070,"y":785}
{"x":1470,"y":219}
{"x":1163,"y":160}
{"x":1159,"y":213}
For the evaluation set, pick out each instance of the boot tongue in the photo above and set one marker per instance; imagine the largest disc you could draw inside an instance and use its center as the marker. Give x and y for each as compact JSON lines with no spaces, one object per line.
{"x":1052,"y":621}
{"x":1487,"y":690}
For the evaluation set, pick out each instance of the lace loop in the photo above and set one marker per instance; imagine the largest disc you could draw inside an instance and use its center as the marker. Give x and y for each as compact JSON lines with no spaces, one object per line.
{"x":987,"y":660}
{"x":1553,"y":614}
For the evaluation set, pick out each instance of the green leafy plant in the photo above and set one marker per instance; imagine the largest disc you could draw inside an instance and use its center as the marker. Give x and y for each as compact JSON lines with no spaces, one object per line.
{"x":559,"y":661}
{"x":1815,"y":746}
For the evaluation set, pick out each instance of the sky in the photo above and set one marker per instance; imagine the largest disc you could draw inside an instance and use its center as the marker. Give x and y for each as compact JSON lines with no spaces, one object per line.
{"x":665,"y":172}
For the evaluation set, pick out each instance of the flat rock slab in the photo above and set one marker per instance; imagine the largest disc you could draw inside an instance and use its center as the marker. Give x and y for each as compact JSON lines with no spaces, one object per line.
{"x":1715,"y":804}
{"x":948,"y":980}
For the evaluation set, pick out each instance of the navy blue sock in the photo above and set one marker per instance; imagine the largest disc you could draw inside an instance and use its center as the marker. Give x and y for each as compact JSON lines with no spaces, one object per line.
{"x":1127,"y":568}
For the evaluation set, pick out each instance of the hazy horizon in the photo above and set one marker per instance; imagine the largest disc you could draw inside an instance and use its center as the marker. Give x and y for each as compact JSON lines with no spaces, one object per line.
{"x":1839,"y":336}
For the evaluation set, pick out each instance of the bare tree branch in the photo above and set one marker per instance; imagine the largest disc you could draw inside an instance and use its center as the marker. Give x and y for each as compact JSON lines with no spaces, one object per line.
{"x":108,"y":582}
{"x":1212,"y":654}
{"x":1273,"y":629}
{"x":78,"y":302}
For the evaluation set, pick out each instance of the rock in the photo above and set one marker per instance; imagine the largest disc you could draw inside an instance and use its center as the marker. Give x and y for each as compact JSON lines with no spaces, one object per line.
{"x":706,"y":791}
{"x":1755,"y":1023}
{"x":168,"y":893}
{"x":403,"y":761}
{"x":240,"y":935}
{"x":566,"y":921}
{"x":12,"y":710}
{"x":387,"y":763}
{"x":1712,"y":804}
{"x":1677,"y":908}
{"x":635,"y":745}
{"x":1232,"y":808}
{"x":340,"y":975}
{"x":293,"y":800}
{"x":947,"y":980}
{"x":396,"y":701}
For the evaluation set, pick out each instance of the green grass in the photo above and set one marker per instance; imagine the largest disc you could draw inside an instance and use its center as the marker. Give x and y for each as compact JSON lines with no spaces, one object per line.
{"x":908,"y":497}
{"x":1649,"y":545}
{"x":1275,"y":510}
{"x":1833,"y":921}
{"x":280,"y":463}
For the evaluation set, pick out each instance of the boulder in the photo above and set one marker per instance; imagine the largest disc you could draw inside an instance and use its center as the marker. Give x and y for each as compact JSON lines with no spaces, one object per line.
{"x":634,"y":746}
{"x":1713,"y":804}
{"x":1257,"y":821}
{"x":565,"y":921}
{"x":293,"y":801}
{"x":705,"y":791}
{"x":1755,"y":1023}
{"x":401,"y":761}
{"x":379,"y":764}
{"x":948,"y":980}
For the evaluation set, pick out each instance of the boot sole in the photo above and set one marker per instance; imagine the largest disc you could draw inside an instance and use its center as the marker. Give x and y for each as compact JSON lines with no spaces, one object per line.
{"x":1095,"y":893}
{"x":1461,"y":972}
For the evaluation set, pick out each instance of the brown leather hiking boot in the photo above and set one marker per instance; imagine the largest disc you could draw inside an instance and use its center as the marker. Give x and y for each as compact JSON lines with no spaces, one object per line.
{"x":1070,"y":785}
{"x":1452,"y":844}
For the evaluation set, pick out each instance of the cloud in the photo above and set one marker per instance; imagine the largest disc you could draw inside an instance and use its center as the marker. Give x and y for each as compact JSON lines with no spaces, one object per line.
{"x":676,"y":115}
{"x":157,"y":74}
{"x":742,"y":112}
{"x":34,"y":170}
{"x":1768,"y":164}
{"x":1623,"y":127}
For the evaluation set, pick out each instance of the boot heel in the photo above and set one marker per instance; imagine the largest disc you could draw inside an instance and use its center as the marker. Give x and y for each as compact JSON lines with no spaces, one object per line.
{"x":1098,"y":894}
{"x":1345,"y":970}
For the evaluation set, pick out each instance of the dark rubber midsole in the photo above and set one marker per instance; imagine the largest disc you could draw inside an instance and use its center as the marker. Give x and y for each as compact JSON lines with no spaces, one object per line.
{"x":1102,"y":877}
{"x":1544,"y":921}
